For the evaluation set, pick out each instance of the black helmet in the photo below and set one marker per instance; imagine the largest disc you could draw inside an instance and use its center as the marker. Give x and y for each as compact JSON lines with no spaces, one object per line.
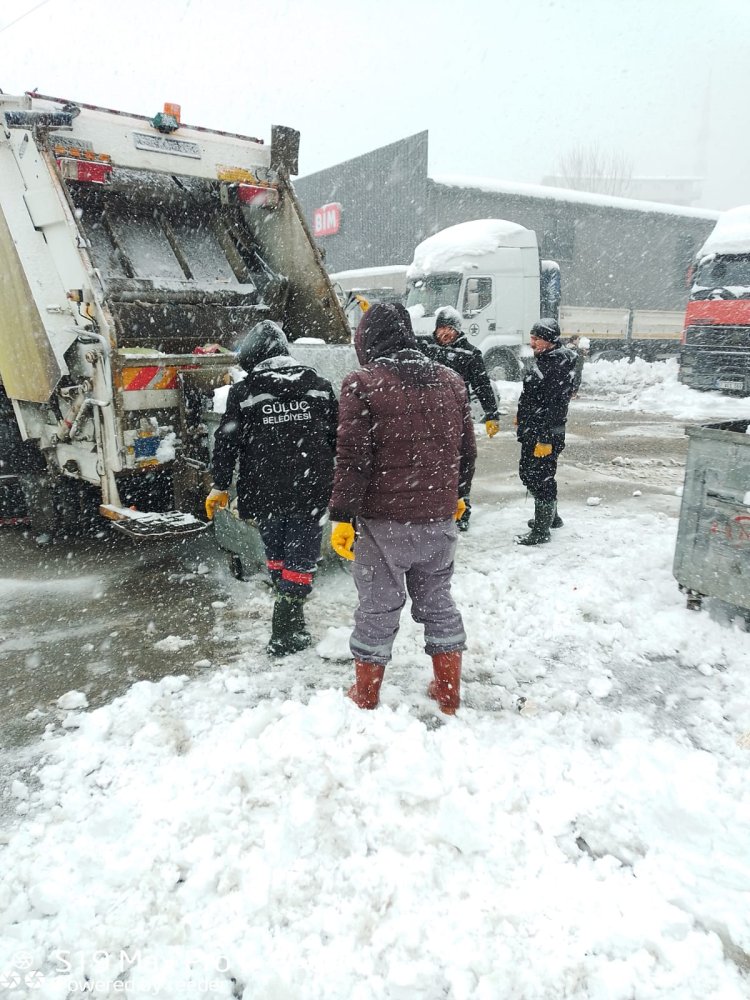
{"x":546,"y":329}
{"x":265,"y":340}
{"x":448,"y":316}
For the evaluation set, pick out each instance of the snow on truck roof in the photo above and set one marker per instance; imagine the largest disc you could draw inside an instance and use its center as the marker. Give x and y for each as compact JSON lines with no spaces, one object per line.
{"x":384,"y":270}
{"x":468,"y":239}
{"x":731,"y":234}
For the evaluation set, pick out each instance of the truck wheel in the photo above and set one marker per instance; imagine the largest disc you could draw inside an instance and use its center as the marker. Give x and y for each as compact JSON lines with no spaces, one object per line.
{"x":57,"y":506}
{"x":502,"y":366}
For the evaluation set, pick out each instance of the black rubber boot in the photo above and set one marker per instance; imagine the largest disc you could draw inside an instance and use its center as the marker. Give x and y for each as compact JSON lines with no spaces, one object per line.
{"x":544,"y":513}
{"x":288,"y":629}
{"x":557,"y":521}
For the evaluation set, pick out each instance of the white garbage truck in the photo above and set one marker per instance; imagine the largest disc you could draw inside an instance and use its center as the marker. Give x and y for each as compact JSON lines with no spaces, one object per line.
{"x":135,"y":254}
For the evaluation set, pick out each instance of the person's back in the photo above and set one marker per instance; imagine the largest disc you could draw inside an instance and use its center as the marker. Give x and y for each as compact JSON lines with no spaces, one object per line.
{"x":286,"y":426}
{"x":405,"y":449}
{"x":280,"y":421}
{"x":417,"y":431}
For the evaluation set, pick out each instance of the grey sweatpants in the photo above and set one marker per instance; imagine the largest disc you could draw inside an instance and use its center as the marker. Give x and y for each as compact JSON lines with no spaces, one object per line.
{"x":390,"y":559}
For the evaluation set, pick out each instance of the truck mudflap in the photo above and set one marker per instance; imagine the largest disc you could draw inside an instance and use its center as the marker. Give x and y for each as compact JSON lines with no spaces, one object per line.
{"x":143,"y":525}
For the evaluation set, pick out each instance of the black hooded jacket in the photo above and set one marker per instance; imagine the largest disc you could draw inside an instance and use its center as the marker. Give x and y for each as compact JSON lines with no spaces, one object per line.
{"x":281,"y":423}
{"x":546,"y":392}
{"x":467,"y":361}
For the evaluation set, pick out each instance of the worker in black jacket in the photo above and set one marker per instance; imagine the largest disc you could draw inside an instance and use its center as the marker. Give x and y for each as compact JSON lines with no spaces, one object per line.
{"x":452,"y":349}
{"x":280,"y":421}
{"x":542,"y":414}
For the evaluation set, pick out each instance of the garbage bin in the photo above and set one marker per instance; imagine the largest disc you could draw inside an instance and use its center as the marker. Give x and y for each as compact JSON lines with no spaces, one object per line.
{"x":712,"y":556}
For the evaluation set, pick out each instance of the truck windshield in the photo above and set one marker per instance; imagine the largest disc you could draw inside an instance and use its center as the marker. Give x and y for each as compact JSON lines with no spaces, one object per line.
{"x":434,"y":291}
{"x":724,"y":272}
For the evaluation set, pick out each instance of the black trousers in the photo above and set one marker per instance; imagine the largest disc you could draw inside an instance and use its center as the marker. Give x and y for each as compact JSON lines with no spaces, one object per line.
{"x":292,"y":545}
{"x":538,"y":474}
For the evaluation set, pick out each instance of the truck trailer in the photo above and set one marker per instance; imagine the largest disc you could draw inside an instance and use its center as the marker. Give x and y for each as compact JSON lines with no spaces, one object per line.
{"x":135,"y":254}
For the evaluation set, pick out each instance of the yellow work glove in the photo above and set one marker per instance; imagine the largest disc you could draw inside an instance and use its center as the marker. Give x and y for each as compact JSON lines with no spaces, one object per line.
{"x":216,"y":498}
{"x":460,"y":509}
{"x":492,"y":427}
{"x":542,"y":450}
{"x":342,"y":539}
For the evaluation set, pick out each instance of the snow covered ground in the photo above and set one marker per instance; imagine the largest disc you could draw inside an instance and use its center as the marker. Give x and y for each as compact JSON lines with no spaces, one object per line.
{"x":578,"y":830}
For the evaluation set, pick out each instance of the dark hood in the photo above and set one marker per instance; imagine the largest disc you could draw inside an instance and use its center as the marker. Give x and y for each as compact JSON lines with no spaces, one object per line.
{"x":383,"y":330}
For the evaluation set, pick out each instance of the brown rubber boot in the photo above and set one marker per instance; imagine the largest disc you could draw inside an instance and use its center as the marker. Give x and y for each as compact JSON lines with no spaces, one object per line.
{"x":365,"y":692}
{"x":446,"y":688}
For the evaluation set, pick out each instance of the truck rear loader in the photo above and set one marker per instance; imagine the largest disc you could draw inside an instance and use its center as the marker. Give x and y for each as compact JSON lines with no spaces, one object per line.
{"x":135,"y":254}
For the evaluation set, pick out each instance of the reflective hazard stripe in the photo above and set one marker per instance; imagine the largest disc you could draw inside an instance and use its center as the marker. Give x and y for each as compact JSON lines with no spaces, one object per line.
{"x":151,"y":377}
{"x":264,"y":397}
{"x":294,"y":577}
{"x":444,"y":640}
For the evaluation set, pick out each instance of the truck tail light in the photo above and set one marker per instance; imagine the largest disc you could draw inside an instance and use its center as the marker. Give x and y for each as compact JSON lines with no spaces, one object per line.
{"x":255,"y":194}
{"x":85,"y":171}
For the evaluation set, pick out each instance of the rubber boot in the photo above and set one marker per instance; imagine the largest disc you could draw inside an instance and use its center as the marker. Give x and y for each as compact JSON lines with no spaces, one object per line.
{"x":288,"y":630}
{"x":557,"y":521}
{"x":446,"y":688}
{"x":365,"y":692}
{"x":544,"y":512}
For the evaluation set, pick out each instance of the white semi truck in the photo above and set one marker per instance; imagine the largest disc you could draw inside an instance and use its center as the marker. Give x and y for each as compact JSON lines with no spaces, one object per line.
{"x":135,"y":254}
{"x":490,"y":270}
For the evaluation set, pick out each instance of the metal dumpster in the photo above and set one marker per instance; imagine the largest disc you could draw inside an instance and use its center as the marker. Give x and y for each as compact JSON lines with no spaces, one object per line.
{"x":712,"y":556}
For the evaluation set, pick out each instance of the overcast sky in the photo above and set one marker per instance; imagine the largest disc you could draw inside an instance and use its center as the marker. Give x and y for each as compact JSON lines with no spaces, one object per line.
{"x":503,"y":86}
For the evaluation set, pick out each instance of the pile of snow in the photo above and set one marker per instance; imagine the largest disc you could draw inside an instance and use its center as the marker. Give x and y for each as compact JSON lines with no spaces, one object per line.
{"x":579,"y":829}
{"x":654,"y":387}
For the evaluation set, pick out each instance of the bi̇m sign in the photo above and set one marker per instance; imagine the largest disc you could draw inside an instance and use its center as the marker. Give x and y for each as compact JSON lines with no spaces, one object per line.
{"x":327,"y":219}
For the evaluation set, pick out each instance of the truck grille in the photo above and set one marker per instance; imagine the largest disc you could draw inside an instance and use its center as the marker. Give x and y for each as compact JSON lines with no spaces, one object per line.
{"x":717,"y":336}
{"x":717,"y":364}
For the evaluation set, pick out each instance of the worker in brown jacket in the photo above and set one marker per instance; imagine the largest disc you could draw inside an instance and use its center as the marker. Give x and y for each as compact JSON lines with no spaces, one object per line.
{"x":405,"y":453}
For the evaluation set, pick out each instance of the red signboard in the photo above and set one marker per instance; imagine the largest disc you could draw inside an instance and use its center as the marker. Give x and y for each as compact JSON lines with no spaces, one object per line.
{"x":327,"y":219}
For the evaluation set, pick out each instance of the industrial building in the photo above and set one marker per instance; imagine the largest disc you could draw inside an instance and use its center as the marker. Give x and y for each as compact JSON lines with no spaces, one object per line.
{"x":613,"y":252}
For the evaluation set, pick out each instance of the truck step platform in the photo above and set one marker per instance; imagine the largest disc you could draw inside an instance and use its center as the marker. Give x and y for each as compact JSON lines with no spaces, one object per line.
{"x":144,"y":525}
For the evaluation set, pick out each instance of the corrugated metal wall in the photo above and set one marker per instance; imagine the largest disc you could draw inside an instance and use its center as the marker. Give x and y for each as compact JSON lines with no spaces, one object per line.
{"x":610,"y":257}
{"x":382,"y":196}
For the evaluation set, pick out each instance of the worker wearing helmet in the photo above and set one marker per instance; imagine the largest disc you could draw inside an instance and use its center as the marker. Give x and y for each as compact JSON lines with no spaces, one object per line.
{"x":280,"y":422}
{"x":542,"y":414}
{"x":452,"y":349}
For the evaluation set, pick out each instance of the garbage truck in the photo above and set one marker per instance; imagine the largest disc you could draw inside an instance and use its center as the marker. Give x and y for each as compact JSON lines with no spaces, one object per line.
{"x":135,"y":254}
